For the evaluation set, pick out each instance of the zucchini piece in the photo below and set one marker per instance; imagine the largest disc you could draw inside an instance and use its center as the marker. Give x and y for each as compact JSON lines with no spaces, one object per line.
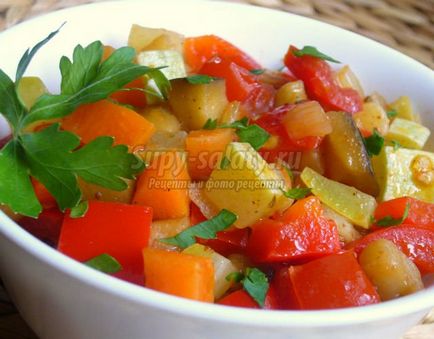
{"x":356,"y":206}
{"x":408,"y":133}
{"x":404,"y":109}
{"x":222,"y":267}
{"x":346,"y":159}
{"x":398,"y":174}
{"x":29,"y":89}
{"x":194,"y":104}
{"x":246,"y":185}
{"x":145,"y":38}
{"x":172,"y":61}
{"x":372,"y":117}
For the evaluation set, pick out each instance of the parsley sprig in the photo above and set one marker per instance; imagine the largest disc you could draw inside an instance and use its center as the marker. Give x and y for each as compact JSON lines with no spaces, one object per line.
{"x":104,"y":263}
{"x":254,"y":282}
{"x":252,"y":134}
{"x":391,"y":221}
{"x":313,"y":51}
{"x":53,"y":156}
{"x":374,"y":143}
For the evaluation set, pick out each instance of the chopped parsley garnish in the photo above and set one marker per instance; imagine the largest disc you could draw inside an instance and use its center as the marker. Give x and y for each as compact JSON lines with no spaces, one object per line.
{"x":374,"y":143}
{"x":210,"y":124}
{"x":225,"y":162}
{"x":390,"y":221}
{"x":313,"y":51}
{"x":104,"y":263}
{"x":80,"y":210}
{"x":53,"y":156}
{"x":392,"y":113}
{"x":200,"y":79}
{"x":205,"y":230}
{"x":296,"y":193}
{"x":254,"y":282}
{"x":258,"y":71}
{"x":396,"y":145}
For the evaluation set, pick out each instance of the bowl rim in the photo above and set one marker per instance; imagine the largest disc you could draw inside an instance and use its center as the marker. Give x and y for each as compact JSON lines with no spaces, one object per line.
{"x":143,"y":296}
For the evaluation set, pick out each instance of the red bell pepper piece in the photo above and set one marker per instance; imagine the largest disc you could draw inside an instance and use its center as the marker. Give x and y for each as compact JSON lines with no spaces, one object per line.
{"x":320,"y":83}
{"x":302,"y":233}
{"x":286,"y":147}
{"x":119,"y":230}
{"x":285,"y":291}
{"x":416,"y":243}
{"x":202,"y":49}
{"x":46,"y":227}
{"x":44,"y":196}
{"x":420,"y":213}
{"x":332,"y":282}
{"x":241,"y":298}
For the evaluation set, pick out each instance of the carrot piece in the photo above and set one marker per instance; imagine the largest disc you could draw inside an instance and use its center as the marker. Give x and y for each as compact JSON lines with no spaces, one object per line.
{"x":205,"y":149}
{"x":107,"y":51}
{"x":179,"y":274}
{"x":136,"y":98}
{"x":164,"y":187}
{"x":104,"y":118}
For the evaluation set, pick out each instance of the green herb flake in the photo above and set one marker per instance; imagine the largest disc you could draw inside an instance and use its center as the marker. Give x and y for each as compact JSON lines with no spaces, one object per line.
{"x":374,"y":143}
{"x":242,"y":123}
{"x":256,"y":285}
{"x":225,"y":162}
{"x":235,"y":277}
{"x":296,"y":193}
{"x":80,"y":210}
{"x":313,"y":51}
{"x":205,"y":230}
{"x":104,"y":263}
{"x":390,"y":221}
{"x":258,"y":71}
{"x":210,"y":124}
{"x":200,"y":79}
{"x":396,"y":145}
{"x":392,"y":113}
{"x":254,"y":135}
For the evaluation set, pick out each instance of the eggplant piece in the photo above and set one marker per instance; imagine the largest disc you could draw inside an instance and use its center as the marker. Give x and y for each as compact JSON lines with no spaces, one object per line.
{"x":194,"y":104}
{"x":345,"y":155}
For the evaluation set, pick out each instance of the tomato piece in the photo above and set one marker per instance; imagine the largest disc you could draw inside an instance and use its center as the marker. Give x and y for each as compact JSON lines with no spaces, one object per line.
{"x":420,"y":214}
{"x":199,"y":50}
{"x":241,"y":298}
{"x":320,"y":83}
{"x":119,"y":230}
{"x":286,"y":147}
{"x":416,"y":243}
{"x":228,"y":242}
{"x":46,"y":227}
{"x":332,"y":282}
{"x":302,"y":233}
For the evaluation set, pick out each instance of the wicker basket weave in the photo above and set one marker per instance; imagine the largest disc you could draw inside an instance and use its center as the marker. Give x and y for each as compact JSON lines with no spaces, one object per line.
{"x":406,"y":25}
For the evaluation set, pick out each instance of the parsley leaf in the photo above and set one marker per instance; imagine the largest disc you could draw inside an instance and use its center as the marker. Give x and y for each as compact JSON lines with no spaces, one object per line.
{"x":256,"y":284}
{"x":235,"y":277}
{"x":390,"y":221}
{"x":80,"y":210}
{"x":242,"y":123}
{"x":257,"y":71}
{"x":254,"y":135}
{"x":10,"y":105}
{"x":104,"y":263}
{"x":312,"y":51}
{"x":225,"y":162}
{"x":296,"y":193}
{"x":204,"y":230}
{"x":210,"y":124}
{"x":396,"y":145}
{"x":94,"y":81}
{"x":392,"y":113}
{"x":374,"y":143}
{"x":50,"y":157}
{"x":16,"y":189}
{"x":30,"y":53}
{"x":200,"y":79}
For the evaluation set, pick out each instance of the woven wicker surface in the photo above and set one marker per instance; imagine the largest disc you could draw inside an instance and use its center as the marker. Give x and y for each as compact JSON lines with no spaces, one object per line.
{"x":406,"y":25}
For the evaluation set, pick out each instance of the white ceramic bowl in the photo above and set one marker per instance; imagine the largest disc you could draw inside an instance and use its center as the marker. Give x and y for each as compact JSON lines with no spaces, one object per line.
{"x":62,"y":299}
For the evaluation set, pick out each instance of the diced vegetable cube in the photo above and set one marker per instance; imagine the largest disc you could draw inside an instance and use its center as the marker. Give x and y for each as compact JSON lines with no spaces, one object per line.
{"x":29,"y":89}
{"x":372,"y":117}
{"x":241,"y":298}
{"x":404,"y":109}
{"x":222,"y":267}
{"x":119,"y":230}
{"x":345,"y":155}
{"x":347,"y":79}
{"x":353,"y":204}
{"x":391,"y":272}
{"x":346,"y":230}
{"x":247,"y":185}
{"x":162,"y":119}
{"x":408,"y":133}
{"x":290,"y":93}
{"x":179,"y":274}
{"x":334,"y":281}
{"x":398,"y":174}
{"x":161,"y":229}
{"x":194,"y":104}
{"x":144,"y":38}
